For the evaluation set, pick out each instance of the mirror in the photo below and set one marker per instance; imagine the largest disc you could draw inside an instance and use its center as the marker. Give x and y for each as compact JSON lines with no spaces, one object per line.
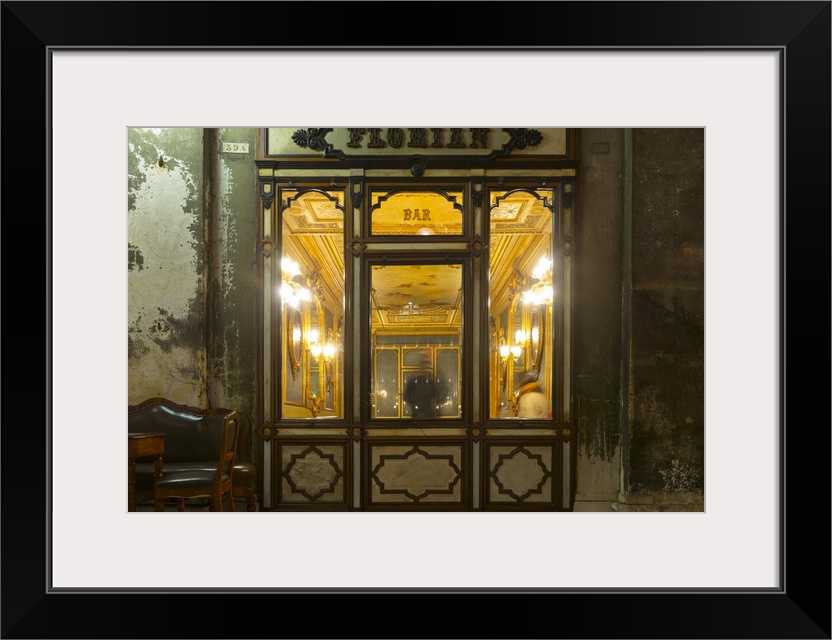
{"x":311,"y":298}
{"x":416,"y":331}
{"x":537,"y":337}
{"x":521,"y":231}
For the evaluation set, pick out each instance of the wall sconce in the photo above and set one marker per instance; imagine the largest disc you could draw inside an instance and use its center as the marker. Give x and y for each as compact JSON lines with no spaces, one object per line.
{"x":292,"y":290}
{"x":541,"y":291}
{"x":324,"y":353}
{"x":514,"y":351}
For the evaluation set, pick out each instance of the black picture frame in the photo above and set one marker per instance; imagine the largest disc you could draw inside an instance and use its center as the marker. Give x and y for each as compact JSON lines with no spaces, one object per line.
{"x":800,"y":609}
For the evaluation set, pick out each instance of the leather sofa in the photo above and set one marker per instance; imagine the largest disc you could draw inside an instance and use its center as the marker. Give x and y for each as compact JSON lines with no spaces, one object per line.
{"x":192,"y":440}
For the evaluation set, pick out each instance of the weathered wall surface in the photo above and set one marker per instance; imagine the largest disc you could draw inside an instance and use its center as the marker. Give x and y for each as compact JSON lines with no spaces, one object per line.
{"x":666,"y":440}
{"x":192,"y":267}
{"x":164,"y":265}
{"x":234,"y":278}
{"x":597,"y":317}
{"x":639,"y":318}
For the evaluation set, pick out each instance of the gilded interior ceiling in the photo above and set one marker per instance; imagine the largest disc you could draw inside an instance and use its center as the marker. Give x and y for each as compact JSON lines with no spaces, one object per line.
{"x":418,"y":298}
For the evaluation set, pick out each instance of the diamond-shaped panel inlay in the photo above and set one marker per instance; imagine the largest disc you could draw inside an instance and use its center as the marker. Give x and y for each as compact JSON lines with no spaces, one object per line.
{"x":416,"y":474}
{"x":312,"y":472}
{"x":520,"y":473}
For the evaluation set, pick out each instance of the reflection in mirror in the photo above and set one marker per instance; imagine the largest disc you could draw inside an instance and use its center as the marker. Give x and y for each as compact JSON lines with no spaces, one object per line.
{"x":520,"y":295}
{"x":387,"y":386}
{"x":416,"y":329}
{"x":447,"y":375}
{"x":311,"y":296}
{"x":426,"y":212}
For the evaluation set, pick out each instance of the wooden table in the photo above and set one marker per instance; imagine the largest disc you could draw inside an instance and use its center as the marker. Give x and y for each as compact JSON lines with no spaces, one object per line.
{"x":142,"y":444}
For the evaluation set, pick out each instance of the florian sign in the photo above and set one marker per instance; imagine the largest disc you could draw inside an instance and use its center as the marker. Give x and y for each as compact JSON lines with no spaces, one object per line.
{"x":417,"y":138}
{"x":428,"y":141}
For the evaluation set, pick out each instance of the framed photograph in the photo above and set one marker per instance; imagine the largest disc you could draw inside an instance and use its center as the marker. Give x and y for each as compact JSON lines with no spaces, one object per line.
{"x":77,"y":75}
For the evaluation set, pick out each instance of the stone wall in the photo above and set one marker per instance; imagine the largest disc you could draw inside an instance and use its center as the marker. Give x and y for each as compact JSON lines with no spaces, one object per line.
{"x":166,"y":355}
{"x":667,"y":383}
{"x":598,"y":317}
{"x":191,"y":324}
{"x":639,"y":317}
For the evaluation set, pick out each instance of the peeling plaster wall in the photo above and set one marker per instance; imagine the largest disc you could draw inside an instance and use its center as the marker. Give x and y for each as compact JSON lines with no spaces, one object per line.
{"x":668,"y":298}
{"x":234,"y":288}
{"x":192,"y":337}
{"x":164,"y":265}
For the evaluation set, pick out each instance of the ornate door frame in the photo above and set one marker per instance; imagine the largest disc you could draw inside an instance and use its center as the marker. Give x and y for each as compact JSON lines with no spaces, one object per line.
{"x":352,"y":462}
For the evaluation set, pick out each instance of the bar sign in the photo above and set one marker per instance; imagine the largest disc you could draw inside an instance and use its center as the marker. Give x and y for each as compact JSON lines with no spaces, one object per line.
{"x":235,"y":147}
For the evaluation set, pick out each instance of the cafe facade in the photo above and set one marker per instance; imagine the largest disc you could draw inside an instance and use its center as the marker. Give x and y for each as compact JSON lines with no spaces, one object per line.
{"x":313,"y":277}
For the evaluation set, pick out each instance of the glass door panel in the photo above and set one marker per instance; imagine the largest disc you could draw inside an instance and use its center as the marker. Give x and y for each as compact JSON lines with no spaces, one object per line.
{"x":448,"y":402}
{"x":386,"y":383}
{"x":311,"y":298}
{"x":416,"y":331}
{"x":521,"y":294}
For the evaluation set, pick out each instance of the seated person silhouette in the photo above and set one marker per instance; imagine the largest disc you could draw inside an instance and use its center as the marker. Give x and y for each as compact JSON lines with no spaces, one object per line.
{"x":420,"y":392}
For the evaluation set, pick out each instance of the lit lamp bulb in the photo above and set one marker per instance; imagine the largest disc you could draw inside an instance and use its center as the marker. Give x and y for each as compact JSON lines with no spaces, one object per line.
{"x":519,"y":343}
{"x":314,"y":347}
{"x":287,"y":294}
{"x":289,"y":267}
{"x":542,"y":269}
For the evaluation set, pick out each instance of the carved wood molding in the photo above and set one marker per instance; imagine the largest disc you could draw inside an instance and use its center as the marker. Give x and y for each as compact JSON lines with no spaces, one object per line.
{"x":313,"y":138}
{"x":417,"y":165}
{"x":522,"y":138}
{"x":266,"y":431}
{"x":266,"y":247}
{"x":267,"y":197}
{"x":357,"y":246}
